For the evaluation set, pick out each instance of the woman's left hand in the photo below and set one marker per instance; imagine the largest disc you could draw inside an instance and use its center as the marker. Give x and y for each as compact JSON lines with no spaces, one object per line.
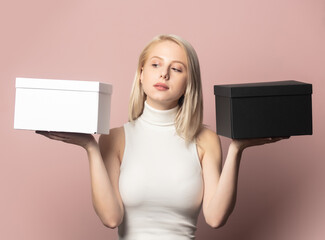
{"x":80,"y":139}
{"x":241,"y":144}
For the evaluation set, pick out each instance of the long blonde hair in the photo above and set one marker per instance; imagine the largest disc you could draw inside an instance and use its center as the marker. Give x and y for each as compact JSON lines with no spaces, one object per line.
{"x":188,"y":121}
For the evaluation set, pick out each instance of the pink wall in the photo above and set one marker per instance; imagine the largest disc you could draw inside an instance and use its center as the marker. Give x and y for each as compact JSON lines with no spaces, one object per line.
{"x":45,"y":188}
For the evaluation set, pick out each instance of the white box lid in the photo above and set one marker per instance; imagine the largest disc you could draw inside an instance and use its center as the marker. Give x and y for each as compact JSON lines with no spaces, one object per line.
{"x":56,"y":84}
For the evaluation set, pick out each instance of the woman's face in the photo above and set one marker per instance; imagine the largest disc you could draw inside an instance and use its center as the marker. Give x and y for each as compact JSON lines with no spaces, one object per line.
{"x":164,"y":75}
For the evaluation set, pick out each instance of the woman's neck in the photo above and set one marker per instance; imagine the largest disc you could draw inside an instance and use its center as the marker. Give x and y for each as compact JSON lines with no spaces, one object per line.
{"x":159,"y":105}
{"x":159,"y":117}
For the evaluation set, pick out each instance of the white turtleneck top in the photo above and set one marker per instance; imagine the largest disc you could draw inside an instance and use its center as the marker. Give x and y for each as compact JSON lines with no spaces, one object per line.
{"x":160,"y":180}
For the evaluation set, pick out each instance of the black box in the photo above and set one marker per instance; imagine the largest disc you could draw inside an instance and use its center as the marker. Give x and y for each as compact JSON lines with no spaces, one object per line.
{"x":269,"y":109}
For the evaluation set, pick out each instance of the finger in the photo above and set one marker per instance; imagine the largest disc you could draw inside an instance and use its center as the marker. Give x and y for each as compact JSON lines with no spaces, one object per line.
{"x":44,"y":133}
{"x":52,"y":136}
{"x":276,"y":139}
{"x":41,"y":132}
{"x":59,"y":135}
{"x":286,"y":137}
{"x":69,"y":135}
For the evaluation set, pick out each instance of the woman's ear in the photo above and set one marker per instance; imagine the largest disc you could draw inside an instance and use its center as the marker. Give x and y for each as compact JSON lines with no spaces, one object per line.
{"x":141,"y":75}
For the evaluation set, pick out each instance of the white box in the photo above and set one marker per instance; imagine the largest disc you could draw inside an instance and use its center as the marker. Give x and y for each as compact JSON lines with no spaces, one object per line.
{"x":62,"y":105}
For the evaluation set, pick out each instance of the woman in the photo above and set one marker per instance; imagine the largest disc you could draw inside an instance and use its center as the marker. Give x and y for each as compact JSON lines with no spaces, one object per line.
{"x":151,"y":176}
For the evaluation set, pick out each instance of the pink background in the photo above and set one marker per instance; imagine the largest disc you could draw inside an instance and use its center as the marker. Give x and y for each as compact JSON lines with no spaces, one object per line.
{"x":45,"y":187}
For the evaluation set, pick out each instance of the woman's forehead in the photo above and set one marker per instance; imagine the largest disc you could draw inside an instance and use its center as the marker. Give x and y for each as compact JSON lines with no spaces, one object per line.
{"x":168,"y":50}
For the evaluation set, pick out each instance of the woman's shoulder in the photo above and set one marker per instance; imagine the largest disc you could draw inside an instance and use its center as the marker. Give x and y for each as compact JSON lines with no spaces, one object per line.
{"x":114,"y":134}
{"x":113,"y":141}
{"x":208,"y":139}
{"x":206,"y":135}
{"x":208,"y":145}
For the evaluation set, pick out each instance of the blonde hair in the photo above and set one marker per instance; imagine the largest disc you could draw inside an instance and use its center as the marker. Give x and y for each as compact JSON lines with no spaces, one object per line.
{"x":188,"y":120}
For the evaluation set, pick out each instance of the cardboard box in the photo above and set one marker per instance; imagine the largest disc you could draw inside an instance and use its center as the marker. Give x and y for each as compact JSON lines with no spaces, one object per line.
{"x":62,"y":105}
{"x":269,"y":109}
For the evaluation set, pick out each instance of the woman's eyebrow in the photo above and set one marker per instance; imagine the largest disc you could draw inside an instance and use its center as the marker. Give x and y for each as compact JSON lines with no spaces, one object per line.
{"x":174,"y":61}
{"x":156,"y":57}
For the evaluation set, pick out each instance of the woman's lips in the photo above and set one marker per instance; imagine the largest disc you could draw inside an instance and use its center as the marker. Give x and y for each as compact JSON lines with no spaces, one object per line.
{"x":161,"y":86}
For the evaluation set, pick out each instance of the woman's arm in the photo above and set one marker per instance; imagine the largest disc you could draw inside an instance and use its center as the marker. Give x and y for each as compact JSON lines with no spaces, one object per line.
{"x":104,"y":166}
{"x":105,"y":187}
{"x":220,"y":187}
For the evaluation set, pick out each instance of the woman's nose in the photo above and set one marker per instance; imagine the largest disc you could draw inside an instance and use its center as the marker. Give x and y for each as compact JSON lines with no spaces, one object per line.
{"x":164,"y":74}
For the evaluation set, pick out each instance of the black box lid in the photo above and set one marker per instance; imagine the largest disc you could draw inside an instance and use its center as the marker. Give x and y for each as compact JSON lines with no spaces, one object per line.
{"x":260,"y":89}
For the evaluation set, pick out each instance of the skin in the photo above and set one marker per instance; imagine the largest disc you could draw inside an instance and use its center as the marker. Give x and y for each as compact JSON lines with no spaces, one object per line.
{"x":166,"y":65}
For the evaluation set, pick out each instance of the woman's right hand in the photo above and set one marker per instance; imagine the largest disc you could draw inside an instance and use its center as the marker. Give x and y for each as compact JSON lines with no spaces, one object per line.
{"x":84,"y":140}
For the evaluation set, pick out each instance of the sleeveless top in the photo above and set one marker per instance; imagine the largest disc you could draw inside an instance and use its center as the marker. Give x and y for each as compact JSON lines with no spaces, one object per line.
{"x":160,"y":181}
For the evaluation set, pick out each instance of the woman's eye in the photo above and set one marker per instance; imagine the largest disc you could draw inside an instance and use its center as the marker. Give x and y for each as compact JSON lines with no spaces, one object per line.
{"x":176,"y":69}
{"x":155,"y":65}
